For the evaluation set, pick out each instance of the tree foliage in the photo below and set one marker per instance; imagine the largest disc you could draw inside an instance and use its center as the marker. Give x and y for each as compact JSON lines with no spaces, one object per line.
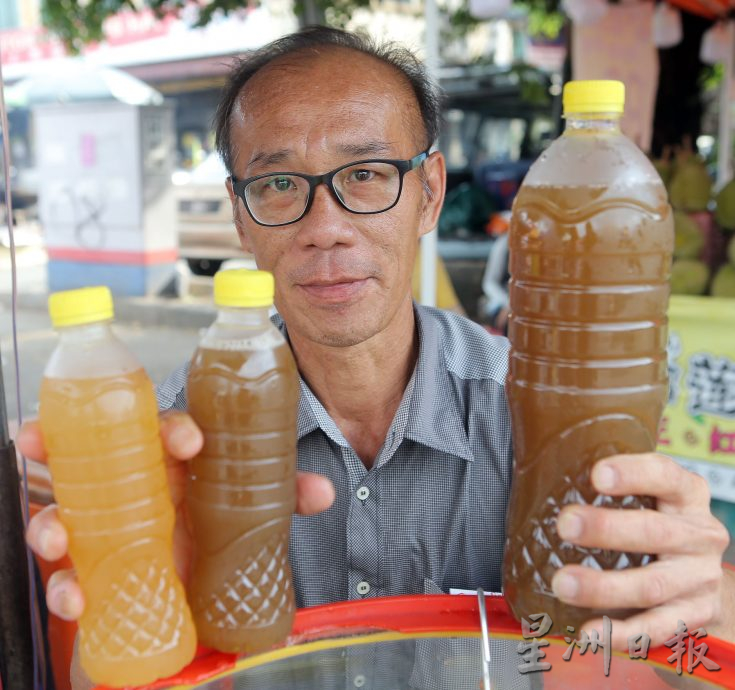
{"x":80,"y":22}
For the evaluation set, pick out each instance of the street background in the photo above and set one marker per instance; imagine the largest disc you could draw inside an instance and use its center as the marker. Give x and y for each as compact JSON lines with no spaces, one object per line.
{"x":161,"y":332}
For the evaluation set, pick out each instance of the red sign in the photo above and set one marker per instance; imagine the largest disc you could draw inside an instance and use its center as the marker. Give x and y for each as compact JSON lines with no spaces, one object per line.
{"x":128,"y":27}
{"x":26,"y":45}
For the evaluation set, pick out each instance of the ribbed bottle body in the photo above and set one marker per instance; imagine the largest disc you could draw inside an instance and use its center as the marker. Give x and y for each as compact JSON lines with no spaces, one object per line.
{"x":590,"y":253}
{"x":109,"y":480}
{"x":242,"y":492}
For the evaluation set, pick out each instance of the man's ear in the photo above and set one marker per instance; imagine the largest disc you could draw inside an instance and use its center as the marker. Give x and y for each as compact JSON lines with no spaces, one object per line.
{"x":236,"y":218}
{"x":434,"y":179}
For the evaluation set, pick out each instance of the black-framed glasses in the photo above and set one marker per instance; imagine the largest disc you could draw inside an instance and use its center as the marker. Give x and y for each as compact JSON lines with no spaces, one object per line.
{"x":368,"y":186}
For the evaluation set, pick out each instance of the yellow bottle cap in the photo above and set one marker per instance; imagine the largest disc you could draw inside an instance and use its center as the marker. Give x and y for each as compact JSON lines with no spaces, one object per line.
{"x":598,"y":96}
{"x":241,"y":287}
{"x":77,"y":307}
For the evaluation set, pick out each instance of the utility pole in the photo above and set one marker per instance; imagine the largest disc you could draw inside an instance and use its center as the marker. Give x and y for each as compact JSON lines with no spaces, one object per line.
{"x":17,"y":662}
{"x":312,"y":13}
{"x":429,"y":243}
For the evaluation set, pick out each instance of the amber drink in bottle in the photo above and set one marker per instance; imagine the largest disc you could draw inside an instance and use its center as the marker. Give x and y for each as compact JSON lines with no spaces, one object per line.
{"x":243,"y":392}
{"x":591,"y":241}
{"x":99,"y":420}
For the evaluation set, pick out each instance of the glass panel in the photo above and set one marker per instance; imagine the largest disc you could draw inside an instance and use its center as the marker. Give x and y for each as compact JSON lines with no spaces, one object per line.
{"x":428,"y":664}
{"x":455,"y":663}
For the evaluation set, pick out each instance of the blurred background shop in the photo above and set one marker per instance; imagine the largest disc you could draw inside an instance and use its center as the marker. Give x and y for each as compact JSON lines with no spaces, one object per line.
{"x":114,"y":179}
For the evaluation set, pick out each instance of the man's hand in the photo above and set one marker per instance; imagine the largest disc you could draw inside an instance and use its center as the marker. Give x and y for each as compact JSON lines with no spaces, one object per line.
{"x":182,"y":440}
{"x":685,"y":583}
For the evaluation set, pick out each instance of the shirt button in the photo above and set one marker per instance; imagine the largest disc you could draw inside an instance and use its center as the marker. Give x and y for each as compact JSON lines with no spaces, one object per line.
{"x":359,"y":681}
{"x":363,"y":587}
{"x":363,"y":492}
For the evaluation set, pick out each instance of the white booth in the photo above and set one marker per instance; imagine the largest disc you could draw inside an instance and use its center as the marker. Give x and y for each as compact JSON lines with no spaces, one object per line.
{"x":106,"y":202}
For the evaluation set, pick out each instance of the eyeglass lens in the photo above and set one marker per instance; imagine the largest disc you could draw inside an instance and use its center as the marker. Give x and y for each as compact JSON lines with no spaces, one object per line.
{"x":364,"y":188}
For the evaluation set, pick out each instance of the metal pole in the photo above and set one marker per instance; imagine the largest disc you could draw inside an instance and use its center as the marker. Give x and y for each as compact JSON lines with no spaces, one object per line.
{"x":429,"y":246}
{"x":312,"y":14}
{"x":724,"y":153}
{"x":16,"y":645}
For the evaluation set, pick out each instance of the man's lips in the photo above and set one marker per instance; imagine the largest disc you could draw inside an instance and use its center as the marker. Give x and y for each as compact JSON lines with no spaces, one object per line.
{"x":326,"y":282}
{"x":335,"y":290}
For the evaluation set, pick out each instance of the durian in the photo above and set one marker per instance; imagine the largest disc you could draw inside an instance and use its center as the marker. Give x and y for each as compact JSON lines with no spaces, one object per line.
{"x":689,"y":277}
{"x":691,"y":185}
{"x":688,"y":237}
{"x":725,"y":210}
{"x":723,"y":284}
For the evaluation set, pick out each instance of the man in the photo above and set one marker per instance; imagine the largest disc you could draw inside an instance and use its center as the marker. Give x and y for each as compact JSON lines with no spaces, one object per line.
{"x":402,"y":408}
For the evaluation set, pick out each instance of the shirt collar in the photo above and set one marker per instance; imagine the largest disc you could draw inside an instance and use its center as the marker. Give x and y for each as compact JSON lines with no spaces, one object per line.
{"x":307,"y":420}
{"x":436,"y":416}
{"x":312,"y":414}
{"x":431,"y":412}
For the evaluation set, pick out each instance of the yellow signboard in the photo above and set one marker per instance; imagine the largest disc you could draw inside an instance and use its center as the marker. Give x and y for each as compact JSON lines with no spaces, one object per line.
{"x":699,"y":420}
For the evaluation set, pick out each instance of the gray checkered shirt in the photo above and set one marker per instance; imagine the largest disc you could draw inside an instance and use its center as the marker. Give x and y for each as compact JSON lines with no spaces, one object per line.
{"x":430,"y":514}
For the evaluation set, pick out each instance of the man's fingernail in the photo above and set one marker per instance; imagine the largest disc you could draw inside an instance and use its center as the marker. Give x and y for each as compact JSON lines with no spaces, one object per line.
{"x":605,"y":477}
{"x":46,"y":541}
{"x":182,"y":435}
{"x":63,"y":605}
{"x":569,"y":525}
{"x":565,"y":586}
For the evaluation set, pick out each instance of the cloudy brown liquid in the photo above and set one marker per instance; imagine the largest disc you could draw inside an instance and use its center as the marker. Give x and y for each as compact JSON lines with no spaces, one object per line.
{"x":105,"y":456}
{"x":241,"y":496}
{"x":588,"y":374}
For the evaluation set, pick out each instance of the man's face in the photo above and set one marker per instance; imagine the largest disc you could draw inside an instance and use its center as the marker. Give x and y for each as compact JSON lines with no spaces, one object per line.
{"x":340,"y":278}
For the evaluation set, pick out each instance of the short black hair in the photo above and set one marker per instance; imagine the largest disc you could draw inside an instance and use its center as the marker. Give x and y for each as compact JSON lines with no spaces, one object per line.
{"x":400,"y":58}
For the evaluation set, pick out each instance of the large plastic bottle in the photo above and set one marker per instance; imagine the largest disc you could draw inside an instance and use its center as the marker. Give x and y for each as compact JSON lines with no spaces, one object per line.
{"x":99,"y":421}
{"x":243,"y":392}
{"x":591,"y":242}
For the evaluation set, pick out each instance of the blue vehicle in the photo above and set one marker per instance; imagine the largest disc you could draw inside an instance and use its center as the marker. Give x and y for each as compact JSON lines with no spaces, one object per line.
{"x":497,"y":121}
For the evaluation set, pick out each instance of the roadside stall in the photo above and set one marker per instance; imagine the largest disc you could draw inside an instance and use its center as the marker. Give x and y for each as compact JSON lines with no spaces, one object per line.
{"x":470,"y":639}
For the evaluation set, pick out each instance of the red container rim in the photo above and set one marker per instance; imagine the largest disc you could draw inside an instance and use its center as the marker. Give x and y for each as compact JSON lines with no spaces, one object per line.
{"x":413,"y":615}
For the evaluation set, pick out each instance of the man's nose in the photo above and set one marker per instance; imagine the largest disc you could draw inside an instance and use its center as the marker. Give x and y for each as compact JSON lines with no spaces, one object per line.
{"x":327,"y":223}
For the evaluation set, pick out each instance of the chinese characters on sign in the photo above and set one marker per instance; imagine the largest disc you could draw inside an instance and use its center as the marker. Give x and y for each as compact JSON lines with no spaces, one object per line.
{"x":722,"y":442}
{"x":673,"y":351}
{"x":711,"y":385}
{"x":682,"y":644}
{"x":699,"y":419}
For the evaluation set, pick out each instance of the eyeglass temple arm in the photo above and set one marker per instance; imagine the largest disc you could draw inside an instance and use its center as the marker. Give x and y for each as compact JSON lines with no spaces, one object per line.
{"x":418,"y":160}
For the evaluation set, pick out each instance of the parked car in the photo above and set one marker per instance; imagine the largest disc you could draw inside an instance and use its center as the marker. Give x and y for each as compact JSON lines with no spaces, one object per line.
{"x":206,"y":233}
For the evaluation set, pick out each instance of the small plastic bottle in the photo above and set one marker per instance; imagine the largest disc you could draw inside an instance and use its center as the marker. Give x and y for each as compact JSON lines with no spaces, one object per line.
{"x":243,"y":392}
{"x":99,"y":421}
{"x":591,"y":241}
